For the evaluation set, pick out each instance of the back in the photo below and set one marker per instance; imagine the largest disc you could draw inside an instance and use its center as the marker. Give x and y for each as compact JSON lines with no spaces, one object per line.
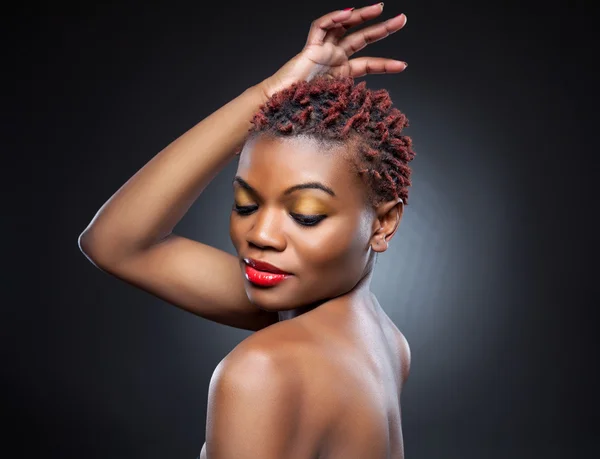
{"x":351,"y":374}
{"x":353,"y":382}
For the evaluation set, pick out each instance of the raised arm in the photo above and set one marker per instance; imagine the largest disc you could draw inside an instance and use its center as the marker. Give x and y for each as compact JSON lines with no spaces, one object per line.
{"x":131,"y":235}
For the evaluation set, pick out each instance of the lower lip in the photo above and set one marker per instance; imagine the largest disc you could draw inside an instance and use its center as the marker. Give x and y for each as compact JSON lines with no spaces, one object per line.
{"x":264,"y":278}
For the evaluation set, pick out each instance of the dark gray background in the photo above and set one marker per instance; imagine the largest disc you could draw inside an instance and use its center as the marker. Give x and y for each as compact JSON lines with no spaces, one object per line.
{"x":489,"y":276}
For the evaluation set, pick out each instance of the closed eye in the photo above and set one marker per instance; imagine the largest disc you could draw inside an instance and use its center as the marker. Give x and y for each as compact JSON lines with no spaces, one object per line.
{"x":307,"y":220}
{"x":244,"y":210}
{"x":304,"y":220}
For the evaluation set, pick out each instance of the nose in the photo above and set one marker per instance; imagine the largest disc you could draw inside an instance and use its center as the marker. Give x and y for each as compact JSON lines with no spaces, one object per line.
{"x":266,"y":230}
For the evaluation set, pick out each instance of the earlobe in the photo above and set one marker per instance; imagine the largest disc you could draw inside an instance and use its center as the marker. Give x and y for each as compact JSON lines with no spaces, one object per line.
{"x":380,"y":244}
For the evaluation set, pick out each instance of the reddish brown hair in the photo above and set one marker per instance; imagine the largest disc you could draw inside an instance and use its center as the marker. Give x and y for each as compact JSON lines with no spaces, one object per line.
{"x":335,"y":110}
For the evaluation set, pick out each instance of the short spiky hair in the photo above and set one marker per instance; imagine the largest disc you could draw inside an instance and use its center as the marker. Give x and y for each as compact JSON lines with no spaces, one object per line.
{"x":334,"y":110}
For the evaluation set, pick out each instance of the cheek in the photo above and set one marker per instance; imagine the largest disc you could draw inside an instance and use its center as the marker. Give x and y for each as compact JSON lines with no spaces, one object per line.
{"x":337,"y":248}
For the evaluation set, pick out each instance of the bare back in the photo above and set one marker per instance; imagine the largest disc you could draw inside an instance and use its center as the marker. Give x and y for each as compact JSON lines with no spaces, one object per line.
{"x":352,"y":372}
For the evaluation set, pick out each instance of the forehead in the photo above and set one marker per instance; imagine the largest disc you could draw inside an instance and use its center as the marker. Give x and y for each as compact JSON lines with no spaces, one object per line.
{"x":272,"y":164}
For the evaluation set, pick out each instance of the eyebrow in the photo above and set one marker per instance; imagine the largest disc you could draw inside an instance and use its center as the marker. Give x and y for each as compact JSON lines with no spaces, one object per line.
{"x":300,"y":186}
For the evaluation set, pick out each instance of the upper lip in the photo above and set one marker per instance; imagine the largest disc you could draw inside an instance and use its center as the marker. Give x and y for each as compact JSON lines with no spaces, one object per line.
{"x":264,"y":266}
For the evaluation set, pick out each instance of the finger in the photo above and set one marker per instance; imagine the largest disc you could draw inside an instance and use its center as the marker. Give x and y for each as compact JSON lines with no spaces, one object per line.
{"x":371,"y":65}
{"x":357,"y":17}
{"x":320,"y":27}
{"x":358,"y":40}
{"x":334,"y":34}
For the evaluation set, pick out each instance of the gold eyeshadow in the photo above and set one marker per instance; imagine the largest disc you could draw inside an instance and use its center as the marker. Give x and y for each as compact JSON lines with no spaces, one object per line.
{"x":242,"y":197}
{"x":305,"y":205}
{"x":309,"y":206}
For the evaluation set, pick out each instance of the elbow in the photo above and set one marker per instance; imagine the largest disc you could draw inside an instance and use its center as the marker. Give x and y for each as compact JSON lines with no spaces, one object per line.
{"x":83,"y":243}
{"x":89,"y":246}
{"x":105,"y":249}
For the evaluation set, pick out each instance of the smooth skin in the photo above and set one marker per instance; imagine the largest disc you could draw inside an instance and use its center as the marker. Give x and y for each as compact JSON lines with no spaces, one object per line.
{"x":322,"y":375}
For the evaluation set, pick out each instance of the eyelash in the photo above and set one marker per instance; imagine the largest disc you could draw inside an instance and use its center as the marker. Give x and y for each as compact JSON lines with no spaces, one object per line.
{"x":304,"y":220}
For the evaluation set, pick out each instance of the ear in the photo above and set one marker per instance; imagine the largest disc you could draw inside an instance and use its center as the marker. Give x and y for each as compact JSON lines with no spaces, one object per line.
{"x":388,"y":216}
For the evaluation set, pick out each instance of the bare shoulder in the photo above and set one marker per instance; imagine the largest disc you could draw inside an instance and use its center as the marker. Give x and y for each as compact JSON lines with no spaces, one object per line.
{"x":405,"y":355}
{"x":402,"y":349}
{"x":289,"y":352}
{"x":397,"y":341}
{"x":279,"y":341}
{"x":275,"y":349}
{"x":291,"y":349}
{"x":252,"y":391}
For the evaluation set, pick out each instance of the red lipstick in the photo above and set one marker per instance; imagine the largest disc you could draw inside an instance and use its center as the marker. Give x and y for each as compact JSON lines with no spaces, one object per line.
{"x":263,"y":273}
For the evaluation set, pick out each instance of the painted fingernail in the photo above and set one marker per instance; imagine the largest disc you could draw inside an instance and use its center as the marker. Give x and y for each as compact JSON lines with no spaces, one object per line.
{"x":348,"y":9}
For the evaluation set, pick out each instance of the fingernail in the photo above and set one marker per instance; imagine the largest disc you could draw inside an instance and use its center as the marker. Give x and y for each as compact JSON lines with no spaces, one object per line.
{"x":348,"y":9}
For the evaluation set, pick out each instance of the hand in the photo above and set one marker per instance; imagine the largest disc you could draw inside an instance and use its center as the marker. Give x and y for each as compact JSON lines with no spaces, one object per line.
{"x":327,"y":50}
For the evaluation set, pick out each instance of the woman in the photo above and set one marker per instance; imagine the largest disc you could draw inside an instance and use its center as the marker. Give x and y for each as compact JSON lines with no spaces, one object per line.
{"x":319,"y":191}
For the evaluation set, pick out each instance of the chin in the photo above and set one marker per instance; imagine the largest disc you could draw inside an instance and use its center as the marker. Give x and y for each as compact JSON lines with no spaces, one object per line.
{"x":270,"y":299}
{"x":267,"y":301}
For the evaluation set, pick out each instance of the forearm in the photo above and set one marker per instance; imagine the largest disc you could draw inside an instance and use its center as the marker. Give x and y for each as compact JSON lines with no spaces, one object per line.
{"x":149,"y":205}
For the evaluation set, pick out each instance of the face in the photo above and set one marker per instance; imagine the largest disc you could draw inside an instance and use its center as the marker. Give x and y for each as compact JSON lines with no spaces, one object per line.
{"x":319,"y":234}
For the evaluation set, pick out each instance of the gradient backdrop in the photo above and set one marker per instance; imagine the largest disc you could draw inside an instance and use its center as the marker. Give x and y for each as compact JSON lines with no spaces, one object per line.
{"x":486,"y":276}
